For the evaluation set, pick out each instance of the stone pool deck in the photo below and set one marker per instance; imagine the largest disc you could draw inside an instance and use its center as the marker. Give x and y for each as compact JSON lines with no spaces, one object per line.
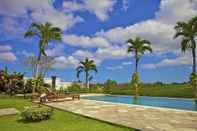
{"x":139,"y":117}
{"x":8,"y":111}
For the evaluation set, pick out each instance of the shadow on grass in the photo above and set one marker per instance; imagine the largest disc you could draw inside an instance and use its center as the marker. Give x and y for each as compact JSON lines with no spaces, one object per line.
{"x":30,"y":122}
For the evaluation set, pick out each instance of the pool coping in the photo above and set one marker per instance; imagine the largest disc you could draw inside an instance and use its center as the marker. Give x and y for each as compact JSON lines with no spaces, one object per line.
{"x":143,"y":106}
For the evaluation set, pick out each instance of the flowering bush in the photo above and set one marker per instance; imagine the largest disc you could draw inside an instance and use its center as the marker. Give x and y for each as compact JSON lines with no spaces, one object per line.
{"x":36,"y":113}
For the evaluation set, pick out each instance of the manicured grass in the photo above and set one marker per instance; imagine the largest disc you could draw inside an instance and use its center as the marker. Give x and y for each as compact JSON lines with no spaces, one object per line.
{"x":159,"y":90}
{"x":164,"y":90}
{"x":60,"y":121}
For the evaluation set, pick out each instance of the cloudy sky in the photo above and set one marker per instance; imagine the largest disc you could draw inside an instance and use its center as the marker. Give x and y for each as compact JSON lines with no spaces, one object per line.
{"x":98,"y":29}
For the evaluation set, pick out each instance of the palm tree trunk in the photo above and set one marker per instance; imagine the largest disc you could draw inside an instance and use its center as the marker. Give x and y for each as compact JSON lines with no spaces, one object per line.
{"x":36,"y":75}
{"x":194,"y":60}
{"x":136,"y":71}
{"x":194,"y":69}
{"x":136,"y":65}
{"x":136,"y":62}
{"x":87,"y":81}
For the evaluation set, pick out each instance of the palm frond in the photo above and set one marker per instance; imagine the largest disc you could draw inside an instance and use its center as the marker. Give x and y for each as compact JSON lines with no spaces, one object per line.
{"x":78,"y":73}
{"x":80,"y":67}
{"x":177,"y":34}
{"x":147,"y":48}
{"x":184,"y":45}
{"x":35,"y":25}
{"x":30,"y":33}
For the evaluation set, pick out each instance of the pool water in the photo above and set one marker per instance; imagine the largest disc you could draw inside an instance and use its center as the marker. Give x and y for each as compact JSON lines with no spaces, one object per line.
{"x":176,"y":103}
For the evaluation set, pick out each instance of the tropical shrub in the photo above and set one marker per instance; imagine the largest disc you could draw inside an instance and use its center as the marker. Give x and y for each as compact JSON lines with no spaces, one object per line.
{"x":36,"y":113}
{"x":96,"y":88}
{"x":109,"y":85}
{"x":11,"y":83}
{"x":135,"y":82}
{"x":77,"y":88}
{"x":4,"y":80}
{"x":193,"y":83}
{"x":16,"y":83}
{"x":28,"y":86}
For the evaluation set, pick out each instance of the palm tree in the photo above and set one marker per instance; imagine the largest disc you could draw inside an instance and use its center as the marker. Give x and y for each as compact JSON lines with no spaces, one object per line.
{"x":46,"y":33}
{"x":138,"y":46}
{"x":86,"y":66}
{"x":188,"y":31}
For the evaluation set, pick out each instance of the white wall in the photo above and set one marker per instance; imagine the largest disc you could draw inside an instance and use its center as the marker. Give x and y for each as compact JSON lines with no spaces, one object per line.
{"x":59,"y":83}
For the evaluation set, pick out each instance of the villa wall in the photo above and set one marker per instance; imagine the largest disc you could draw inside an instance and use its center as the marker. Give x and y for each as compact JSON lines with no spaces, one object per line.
{"x":59,"y":83}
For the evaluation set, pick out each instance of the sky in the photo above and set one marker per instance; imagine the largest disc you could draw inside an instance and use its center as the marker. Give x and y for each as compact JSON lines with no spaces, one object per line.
{"x":99,"y":29}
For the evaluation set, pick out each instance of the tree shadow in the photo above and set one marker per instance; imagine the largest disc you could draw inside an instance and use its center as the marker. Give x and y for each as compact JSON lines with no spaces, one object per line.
{"x":29,"y":122}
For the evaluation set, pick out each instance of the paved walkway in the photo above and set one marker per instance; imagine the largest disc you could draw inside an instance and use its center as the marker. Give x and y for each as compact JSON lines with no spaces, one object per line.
{"x":8,"y":111}
{"x":139,"y":117}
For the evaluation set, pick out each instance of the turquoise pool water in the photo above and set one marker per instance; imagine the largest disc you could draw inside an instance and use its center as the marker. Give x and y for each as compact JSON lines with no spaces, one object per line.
{"x":176,"y":103}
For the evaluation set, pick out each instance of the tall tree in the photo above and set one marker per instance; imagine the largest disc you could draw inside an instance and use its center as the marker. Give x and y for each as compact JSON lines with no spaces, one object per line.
{"x":138,"y":46}
{"x":188,"y":31}
{"x":86,"y":66}
{"x":45,"y":33}
{"x":45,"y":65}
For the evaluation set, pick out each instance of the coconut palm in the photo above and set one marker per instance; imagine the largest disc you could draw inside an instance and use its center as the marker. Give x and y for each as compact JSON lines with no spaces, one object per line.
{"x":86,"y":66}
{"x":137,"y":46}
{"x":188,"y":31}
{"x":46,"y":33}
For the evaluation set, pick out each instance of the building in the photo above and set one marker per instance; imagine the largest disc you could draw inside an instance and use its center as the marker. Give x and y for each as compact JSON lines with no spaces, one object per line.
{"x":59,"y":83}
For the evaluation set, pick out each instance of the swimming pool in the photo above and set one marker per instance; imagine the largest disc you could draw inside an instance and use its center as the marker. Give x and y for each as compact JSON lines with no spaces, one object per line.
{"x":176,"y":103}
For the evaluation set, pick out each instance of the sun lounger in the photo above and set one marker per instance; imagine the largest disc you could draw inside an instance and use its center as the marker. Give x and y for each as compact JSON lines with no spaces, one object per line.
{"x":58,"y":97}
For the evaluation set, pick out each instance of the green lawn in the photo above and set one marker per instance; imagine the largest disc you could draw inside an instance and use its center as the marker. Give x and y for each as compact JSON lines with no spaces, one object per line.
{"x":60,"y":121}
{"x":164,"y":90}
{"x":159,"y":90}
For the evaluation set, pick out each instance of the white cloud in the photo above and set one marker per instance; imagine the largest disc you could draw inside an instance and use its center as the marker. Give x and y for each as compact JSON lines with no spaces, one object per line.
{"x":5,"y":48}
{"x":63,"y":62}
{"x":71,"y":6}
{"x":111,"y":44}
{"x":85,"y":41}
{"x":181,"y":59}
{"x":26,"y":53}
{"x":6,"y":54}
{"x":100,"y":8}
{"x":41,"y":11}
{"x":113,"y":52}
{"x":56,"y":18}
{"x":126,"y":63}
{"x":11,"y":28}
{"x":159,"y":30}
{"x":58,"y":50}
{"x":101,"y":54}
{"x":172,"y":11}
{"x":80,"y":54}
{"x":118,"y":67}
{"x":114,"y":67}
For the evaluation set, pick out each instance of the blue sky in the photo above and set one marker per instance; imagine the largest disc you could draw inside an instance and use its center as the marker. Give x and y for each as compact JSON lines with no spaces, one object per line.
{"x":98,"y":30}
